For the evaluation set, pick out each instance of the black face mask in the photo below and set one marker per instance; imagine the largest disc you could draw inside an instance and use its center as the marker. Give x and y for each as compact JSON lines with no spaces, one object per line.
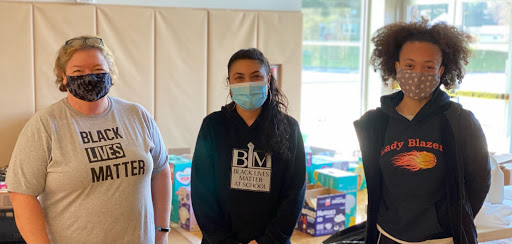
{"x":89,"y":87}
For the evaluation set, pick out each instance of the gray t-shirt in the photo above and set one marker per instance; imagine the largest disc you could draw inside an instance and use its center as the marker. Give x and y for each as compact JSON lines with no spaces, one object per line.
{"x":92,"y":173}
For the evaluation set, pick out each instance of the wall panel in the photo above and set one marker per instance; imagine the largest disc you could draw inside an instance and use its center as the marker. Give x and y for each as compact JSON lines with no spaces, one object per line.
{"x":228,"y":31}
{"x":280,"y":39}
{"x":16,"y":74}
{"x":180,"y":89}
{"x":129,"y":33}
{"x":53,"y":25}
{"x":171,"y":61}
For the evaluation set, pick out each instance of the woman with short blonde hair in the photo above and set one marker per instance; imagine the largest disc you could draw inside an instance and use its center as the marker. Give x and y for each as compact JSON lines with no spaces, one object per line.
{"x":90,"y":168}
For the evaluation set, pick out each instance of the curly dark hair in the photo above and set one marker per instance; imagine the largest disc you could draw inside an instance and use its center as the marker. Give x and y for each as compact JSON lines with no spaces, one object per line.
{"x":453,"y":43}
{"x":276,"y":121}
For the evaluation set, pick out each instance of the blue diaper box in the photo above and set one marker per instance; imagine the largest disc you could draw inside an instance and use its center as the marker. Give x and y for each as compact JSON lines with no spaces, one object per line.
{"x":323,"y":212}
{"x":181,"y":169}
{"x":322,"y":162}
{"x":342,"y":181}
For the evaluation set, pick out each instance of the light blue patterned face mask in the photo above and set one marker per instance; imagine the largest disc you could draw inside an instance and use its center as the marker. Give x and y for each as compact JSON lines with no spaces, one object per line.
{"x":249,"y":95}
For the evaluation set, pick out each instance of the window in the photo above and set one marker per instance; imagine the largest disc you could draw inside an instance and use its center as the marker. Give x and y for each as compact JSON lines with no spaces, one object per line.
{"x":331,"y":73}
{"x":487,"y":80}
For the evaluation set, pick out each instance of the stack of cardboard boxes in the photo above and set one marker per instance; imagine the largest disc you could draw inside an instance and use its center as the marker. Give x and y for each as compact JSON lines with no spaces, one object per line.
{"x":342,"y":181}
{"x":181,"y":210}
{"x":323,"y":212}
{"x":331,"y":197}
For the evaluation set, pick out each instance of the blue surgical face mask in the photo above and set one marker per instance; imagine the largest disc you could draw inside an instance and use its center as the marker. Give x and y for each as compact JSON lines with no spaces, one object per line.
{"x":249,"y":95}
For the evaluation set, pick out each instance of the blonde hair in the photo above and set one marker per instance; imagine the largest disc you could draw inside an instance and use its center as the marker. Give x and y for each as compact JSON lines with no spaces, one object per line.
{"x":67,"y":51}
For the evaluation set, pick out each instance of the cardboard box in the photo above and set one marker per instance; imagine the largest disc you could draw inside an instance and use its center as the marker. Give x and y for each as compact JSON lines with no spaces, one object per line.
{"x":505,"y":162}
{"x":323,"y":212}
{"x":507,"y":168}
{"x":322,"y":162}
{"x":181,"y":169}
{"x":342,"y":181}
{"x":5,"y":200}
{"x":186,"y":212}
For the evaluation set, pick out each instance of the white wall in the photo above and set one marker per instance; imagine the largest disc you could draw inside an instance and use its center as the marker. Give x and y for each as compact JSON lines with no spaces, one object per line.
{"x":280,"y":5}
{"x":173,"y":59}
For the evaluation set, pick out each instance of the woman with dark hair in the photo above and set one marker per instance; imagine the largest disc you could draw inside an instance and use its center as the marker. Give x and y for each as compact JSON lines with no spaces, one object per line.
{"x":248,"y":169}
{"x":425,"y":157}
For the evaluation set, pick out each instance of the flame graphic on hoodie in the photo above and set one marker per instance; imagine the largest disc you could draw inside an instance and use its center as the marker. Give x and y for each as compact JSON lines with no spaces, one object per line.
{"x":415,"y":160}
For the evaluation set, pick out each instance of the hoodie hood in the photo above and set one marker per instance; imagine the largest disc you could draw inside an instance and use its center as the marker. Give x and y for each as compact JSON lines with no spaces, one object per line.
{"x":434,"y":105}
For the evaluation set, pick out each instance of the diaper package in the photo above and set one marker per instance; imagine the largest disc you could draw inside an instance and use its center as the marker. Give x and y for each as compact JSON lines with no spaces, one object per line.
{"x":186,"y":212}
{"x":323,"y":212}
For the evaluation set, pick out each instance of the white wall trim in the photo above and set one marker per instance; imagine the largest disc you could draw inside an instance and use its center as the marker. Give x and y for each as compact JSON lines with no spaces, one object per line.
{"x":280,"y":5}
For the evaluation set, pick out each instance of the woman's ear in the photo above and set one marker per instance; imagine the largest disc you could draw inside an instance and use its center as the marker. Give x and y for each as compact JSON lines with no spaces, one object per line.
{"x":397,"y":66}
{"x":441,"y":71}
{"x":63,"y":77}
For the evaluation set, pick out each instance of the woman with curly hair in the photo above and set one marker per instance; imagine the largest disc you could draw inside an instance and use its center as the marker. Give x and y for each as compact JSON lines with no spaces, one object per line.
{"x":424,"y":156}
{"x":248,"y":169}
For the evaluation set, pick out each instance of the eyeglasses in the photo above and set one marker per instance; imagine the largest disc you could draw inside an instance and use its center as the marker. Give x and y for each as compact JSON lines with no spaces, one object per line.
{"x":84,"y":40}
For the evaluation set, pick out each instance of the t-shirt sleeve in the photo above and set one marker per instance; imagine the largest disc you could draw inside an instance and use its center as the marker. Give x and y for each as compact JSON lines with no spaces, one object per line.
{"x":27,"y":169}
{"x":158,"y":152}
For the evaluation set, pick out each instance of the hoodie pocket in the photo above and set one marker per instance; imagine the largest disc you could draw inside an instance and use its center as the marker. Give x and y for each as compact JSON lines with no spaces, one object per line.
{"x":412,"y":222}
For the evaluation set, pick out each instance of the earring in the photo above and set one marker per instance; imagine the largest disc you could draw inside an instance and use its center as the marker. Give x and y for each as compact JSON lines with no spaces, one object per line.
{"x":227,"y":104}
{"x":228,"y":95}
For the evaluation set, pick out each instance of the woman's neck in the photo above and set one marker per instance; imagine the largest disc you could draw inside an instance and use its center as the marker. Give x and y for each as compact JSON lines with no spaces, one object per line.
{"x":248,"y":116}
{"x":410,"y":107}
{"x":88,"y":108}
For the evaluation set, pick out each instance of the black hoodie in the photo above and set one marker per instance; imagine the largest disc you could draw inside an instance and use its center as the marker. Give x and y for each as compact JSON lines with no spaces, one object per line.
{"x":240,"y":192}
{"x":466,"y":162}
{"x":414,"y":204}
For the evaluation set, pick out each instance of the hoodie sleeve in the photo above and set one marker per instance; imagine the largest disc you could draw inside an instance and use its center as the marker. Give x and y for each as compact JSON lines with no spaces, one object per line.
{"x":370,"y":130}
{"x":477,"y":171}
{"x":205,"y":202}
{"x":292,"y":197}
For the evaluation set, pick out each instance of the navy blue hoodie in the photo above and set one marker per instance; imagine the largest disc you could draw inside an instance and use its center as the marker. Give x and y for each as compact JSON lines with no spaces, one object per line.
{"x":241,"y":192}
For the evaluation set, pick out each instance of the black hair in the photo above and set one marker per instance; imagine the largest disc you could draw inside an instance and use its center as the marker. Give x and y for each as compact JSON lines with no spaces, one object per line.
{"x":453,"y":43}
{"x":276,"y":122}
